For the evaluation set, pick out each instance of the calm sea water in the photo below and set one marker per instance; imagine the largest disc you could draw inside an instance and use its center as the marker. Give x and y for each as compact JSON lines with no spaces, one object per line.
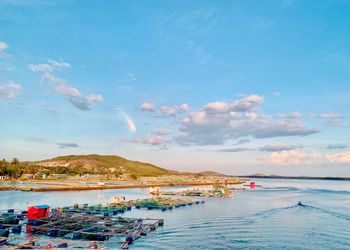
{"x":266,"y":218}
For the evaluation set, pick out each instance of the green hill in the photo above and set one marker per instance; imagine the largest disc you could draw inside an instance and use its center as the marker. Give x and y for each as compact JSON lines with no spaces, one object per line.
{"x":102,"y":164}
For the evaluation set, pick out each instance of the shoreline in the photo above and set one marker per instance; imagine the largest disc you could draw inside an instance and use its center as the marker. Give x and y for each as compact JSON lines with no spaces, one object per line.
{"x":295,"y":177}
{"x":123,"y":186}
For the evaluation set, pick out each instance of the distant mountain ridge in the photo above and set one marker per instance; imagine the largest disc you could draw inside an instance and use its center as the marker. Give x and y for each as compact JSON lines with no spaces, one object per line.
{"x":104,"y":164}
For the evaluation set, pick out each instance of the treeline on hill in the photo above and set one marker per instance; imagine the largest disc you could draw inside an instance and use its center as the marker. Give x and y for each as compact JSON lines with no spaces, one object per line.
{"x":16,"y":169}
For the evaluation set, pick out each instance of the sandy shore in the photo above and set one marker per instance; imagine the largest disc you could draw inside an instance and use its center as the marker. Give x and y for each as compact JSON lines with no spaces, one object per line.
{"x":124,"y":186}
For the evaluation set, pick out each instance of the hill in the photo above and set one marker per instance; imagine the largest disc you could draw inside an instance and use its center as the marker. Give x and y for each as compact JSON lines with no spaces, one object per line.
{"x":102,"y":164}
{"x":210,"y":173}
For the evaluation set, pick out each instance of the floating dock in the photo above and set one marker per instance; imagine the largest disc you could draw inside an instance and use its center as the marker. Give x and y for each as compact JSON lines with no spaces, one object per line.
{"x":81,"y":226}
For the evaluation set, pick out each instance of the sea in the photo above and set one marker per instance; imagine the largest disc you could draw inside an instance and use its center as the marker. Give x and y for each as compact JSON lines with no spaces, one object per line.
{"x":267,"y":217}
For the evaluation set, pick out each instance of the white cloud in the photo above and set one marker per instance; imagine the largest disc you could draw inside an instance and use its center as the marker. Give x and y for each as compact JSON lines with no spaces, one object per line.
{"x":95,"y":98}
{"x":151,"y":139}
{"x":275,"y":93}
{"x":67,"y":90}
{"x":301,"y":158}
{"x":9,"y":90}
{"x":330,"y":116}
{"x":62,"y":86}
{"x":247,"y":103}
{"x":217,"y":106}
{"x":59,"y":64}
{"x":43,"y":68}
{"x":130,"y":123}
{"x":293,"y":158}
{"x":293,"y":115}
{"x":163,"y":131}
{"x":339,"y":158}
{"x":219,"y":122}
{"x":147,"y":106}
{"x":3,"y":48}
{"x":173,"y":110}
{"x":184,"y":107}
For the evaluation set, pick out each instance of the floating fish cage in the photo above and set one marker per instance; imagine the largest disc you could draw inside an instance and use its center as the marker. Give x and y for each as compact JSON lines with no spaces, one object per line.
{"x":163,"y":203}
{"x":63,"y":225}
{"x":79,"y":226}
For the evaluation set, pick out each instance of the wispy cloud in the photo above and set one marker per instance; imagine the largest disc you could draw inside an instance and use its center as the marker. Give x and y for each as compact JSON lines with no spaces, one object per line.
{"x":339,"y":158}
{"x":163,"y":131}
{"x":337,"y":146}
{"x":279,"y":147}
{"x":332,"y":119}
{"x":132,"y":77}
{"x":129,"y":121}
{"x":62,"y":86}
{"x":330,"y":116}
{"x":234,"y":150}
{"x":3,"y":48}
{"x":9,"y":90}
{"x":67,"y":145}
{"x":241,"y":141}
{"x":292,"y":115}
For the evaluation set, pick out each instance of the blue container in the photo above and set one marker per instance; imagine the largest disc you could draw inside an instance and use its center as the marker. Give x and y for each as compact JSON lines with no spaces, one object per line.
{"x":53,"y":233}
{"x":137,"y":206}
{"x":129,"y":239}
{"x":20,"y":216}
{"x":177,"y":205}
{"x":105,"y":214}
{"x":170,"y":207}
{"x":101,"y":237}
{"x":114,"y":212}
{"x":164,"y":208}
{"x":76,"y":235}
{"x":4,"y":233}
{"x":24,"y":212}
{"x":17,"y":229}
{"x":36,"y":222}
{"x":15,"y":222}
{"x":128,"y":208}
{"x":10,"y":211}
{"x":62,"y":245}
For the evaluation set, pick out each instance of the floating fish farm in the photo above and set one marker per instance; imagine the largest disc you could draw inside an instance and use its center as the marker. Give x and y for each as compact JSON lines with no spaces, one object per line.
{"x":80,"y":226}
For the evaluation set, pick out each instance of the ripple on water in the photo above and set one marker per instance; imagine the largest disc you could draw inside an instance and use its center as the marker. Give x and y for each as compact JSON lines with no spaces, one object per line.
{"x":287,"y":227}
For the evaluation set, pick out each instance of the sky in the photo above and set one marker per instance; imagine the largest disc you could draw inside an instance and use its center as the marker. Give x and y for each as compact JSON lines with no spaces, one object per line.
{"x":238,"y":87}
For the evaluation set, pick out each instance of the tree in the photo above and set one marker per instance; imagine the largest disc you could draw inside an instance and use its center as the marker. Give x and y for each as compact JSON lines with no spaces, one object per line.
{"x":15,"y":161}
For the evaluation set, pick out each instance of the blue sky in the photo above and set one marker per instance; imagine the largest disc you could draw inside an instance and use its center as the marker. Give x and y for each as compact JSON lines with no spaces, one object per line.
{"x":239,"y":87}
